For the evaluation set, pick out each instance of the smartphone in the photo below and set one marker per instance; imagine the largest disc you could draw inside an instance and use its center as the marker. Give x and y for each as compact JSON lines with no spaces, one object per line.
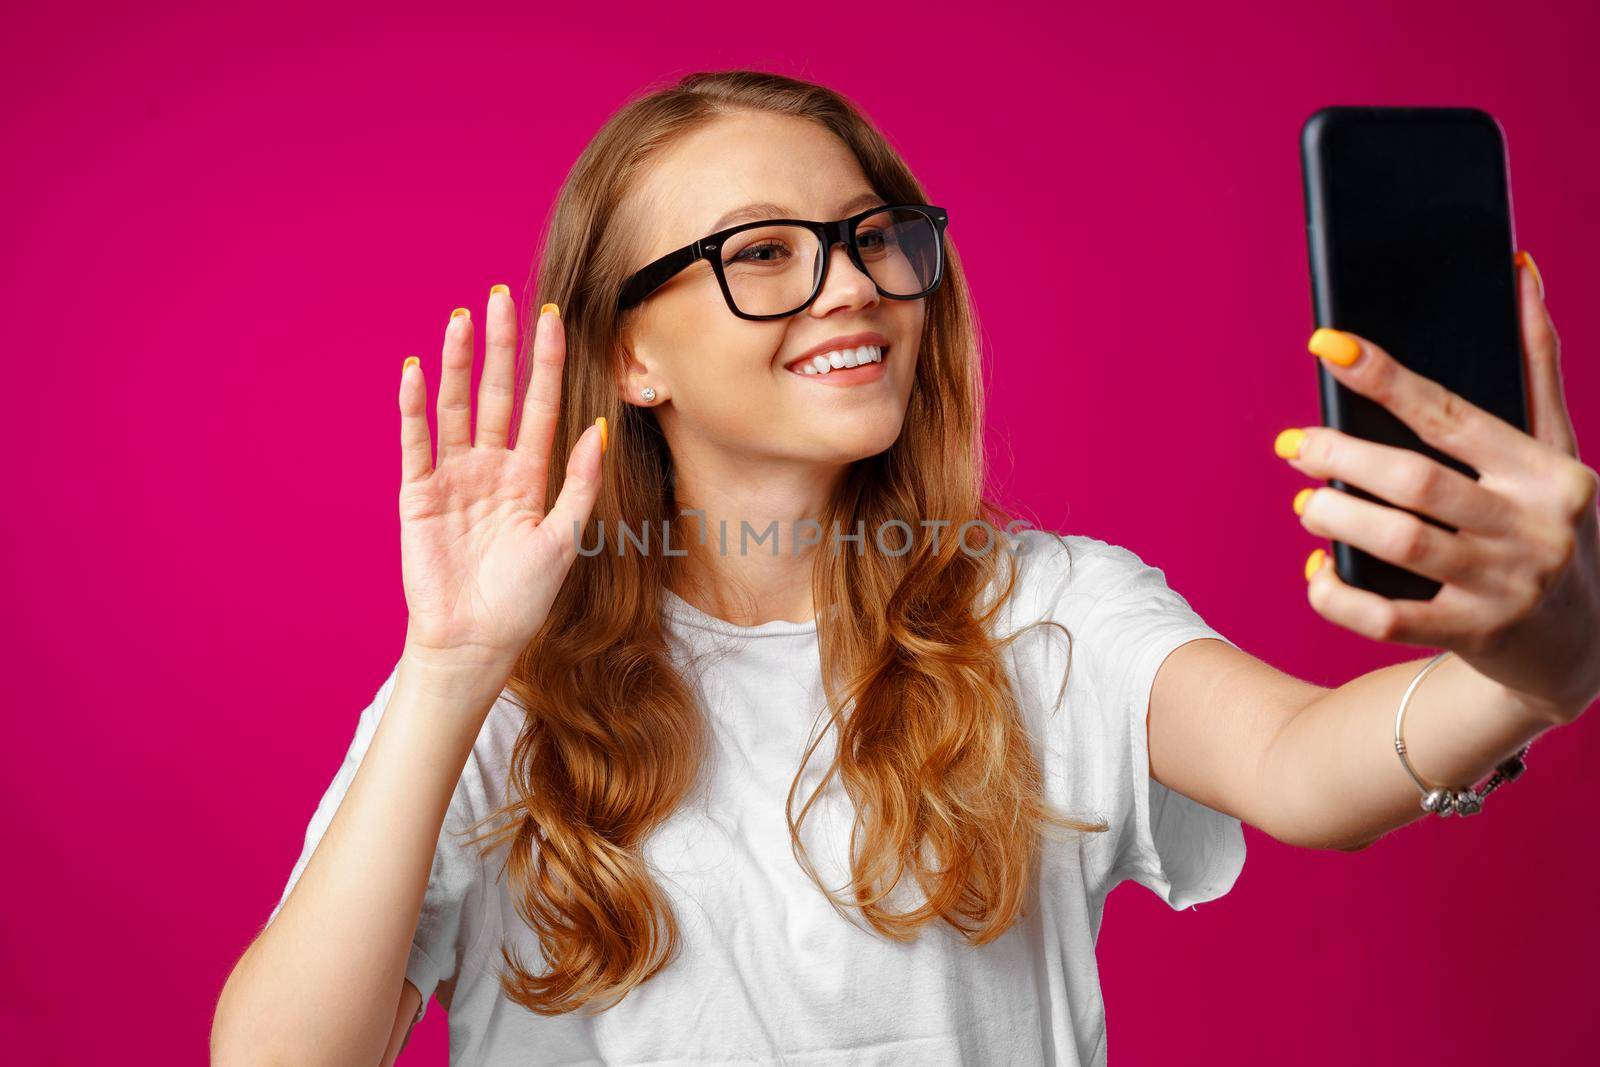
{"x":1410,"y":244}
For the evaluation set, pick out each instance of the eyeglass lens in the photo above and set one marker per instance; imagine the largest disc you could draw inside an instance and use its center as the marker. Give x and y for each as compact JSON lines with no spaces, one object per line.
{"x":773,"y":270}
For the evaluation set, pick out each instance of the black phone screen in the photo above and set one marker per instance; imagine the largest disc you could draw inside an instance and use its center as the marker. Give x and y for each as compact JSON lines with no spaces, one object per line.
{"x":1409,"y":235}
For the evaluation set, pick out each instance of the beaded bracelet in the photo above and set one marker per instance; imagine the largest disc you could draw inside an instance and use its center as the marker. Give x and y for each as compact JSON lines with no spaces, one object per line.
{"x":1446,"y":801}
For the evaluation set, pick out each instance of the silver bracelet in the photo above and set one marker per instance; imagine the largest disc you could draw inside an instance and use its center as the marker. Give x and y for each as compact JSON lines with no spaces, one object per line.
{"x":1446,"y":801}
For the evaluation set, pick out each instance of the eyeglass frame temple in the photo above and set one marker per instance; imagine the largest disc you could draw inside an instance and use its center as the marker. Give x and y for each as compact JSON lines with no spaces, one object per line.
{"x":652,"y":276}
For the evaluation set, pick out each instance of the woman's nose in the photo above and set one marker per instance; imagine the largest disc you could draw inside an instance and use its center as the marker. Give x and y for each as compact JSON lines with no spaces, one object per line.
{"x":844,"y":284}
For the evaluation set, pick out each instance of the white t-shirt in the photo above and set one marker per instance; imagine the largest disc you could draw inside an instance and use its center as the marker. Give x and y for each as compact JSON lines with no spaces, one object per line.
{"x":768,"y":971}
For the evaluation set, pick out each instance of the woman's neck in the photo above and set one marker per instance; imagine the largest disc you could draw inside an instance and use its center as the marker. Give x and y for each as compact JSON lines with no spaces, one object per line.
{"x":752,"y":548}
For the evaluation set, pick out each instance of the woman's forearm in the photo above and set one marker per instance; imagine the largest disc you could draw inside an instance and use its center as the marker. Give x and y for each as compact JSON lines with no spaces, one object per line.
{"x":1334,"y":770}
{"x":321,"y":984}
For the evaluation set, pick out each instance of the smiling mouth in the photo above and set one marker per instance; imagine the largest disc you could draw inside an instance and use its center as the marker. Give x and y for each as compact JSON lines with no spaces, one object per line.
{"x":840,"y":359}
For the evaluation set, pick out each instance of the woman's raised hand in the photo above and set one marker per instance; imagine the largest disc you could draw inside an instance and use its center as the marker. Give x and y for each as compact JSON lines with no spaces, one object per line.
{"x":480,"y":558}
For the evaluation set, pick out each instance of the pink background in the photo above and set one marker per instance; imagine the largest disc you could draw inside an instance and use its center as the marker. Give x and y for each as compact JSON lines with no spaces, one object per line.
{"x":225,"y":230}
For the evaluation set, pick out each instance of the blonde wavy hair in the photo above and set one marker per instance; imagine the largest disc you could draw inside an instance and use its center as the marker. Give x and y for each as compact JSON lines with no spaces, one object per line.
{"x":932,"y":747}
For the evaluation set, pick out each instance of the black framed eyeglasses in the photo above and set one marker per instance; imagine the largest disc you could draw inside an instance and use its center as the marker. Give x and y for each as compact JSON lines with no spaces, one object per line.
{"x":775,"y":268}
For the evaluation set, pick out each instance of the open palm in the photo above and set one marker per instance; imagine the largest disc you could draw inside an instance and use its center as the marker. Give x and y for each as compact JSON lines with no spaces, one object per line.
{"x":480,"y":558}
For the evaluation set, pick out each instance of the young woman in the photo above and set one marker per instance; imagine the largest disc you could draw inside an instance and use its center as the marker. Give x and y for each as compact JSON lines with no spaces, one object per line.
{"x":768,"y":737}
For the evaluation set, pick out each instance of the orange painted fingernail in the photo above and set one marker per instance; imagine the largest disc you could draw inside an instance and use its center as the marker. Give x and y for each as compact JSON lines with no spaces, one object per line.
{"x":601,"y":422}
{"x":1300,"y":499}
{"x":1523,"y":259}
{"x":1314,"y":562}
{"x":458,"y":312}
{"x":550,"y":308}
{"x":1287,"y":444}
{"x":411,"y":361}
{"x":500,"y":289}
{"x":1335,"y":346}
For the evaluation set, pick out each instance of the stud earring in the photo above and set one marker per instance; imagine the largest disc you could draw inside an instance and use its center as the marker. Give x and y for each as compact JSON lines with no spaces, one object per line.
{"x":648,"y":393}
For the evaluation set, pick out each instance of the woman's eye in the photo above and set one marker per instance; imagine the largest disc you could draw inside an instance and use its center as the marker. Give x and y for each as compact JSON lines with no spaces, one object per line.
{"x":762,"y":253}
{"x":870,"y":240}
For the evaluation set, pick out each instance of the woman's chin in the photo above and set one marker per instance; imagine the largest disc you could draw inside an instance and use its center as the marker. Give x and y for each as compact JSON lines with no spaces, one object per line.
{"x":849,"y":439}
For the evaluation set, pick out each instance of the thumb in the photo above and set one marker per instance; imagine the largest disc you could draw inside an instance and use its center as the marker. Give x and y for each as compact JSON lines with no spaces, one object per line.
{"x":1542,"y":355}
{"x":579,"y":488}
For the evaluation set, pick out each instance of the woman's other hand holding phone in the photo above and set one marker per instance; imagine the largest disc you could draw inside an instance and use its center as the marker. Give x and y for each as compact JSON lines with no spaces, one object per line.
{"x":1520,"y":600}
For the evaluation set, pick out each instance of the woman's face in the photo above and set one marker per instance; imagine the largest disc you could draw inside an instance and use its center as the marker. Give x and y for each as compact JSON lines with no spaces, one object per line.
{"x":725,"y":392}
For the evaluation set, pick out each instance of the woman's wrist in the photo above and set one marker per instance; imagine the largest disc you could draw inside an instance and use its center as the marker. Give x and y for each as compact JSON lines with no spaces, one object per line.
{"x":471,"y":677}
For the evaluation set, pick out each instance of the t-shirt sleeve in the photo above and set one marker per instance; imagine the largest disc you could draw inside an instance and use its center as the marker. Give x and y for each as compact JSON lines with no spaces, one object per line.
{"x":1179,"y":849}
{"x":454,"y":881}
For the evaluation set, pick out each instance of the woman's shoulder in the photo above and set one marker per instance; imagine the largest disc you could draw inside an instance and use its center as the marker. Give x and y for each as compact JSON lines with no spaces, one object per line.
{"x":1056,"y":571}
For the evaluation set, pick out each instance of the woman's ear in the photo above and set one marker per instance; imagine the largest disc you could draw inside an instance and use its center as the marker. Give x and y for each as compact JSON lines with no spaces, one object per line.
{"x":637,"y":381}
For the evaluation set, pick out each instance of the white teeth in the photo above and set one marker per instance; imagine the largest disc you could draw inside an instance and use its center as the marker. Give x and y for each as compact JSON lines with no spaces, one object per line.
{"x":842,"y":358}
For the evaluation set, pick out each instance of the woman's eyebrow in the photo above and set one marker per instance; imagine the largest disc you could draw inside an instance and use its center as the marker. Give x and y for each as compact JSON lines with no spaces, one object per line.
{"x":756,"y":212}
{"x":751,"y":213}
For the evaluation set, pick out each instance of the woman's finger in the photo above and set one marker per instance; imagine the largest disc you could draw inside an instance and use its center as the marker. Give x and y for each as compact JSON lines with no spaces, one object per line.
{"x":537,"y":428}
{"x":1547,"y":398}
{"x":496,"y":390}
{"x":1449,"y":619}
{"x":579,"y":489}
{"x":455,"y":385}
{"x":416,"y":454}
{"x":1444,"y":419}
{"x":1389,"y":534}
{"x":1400,"y":476}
